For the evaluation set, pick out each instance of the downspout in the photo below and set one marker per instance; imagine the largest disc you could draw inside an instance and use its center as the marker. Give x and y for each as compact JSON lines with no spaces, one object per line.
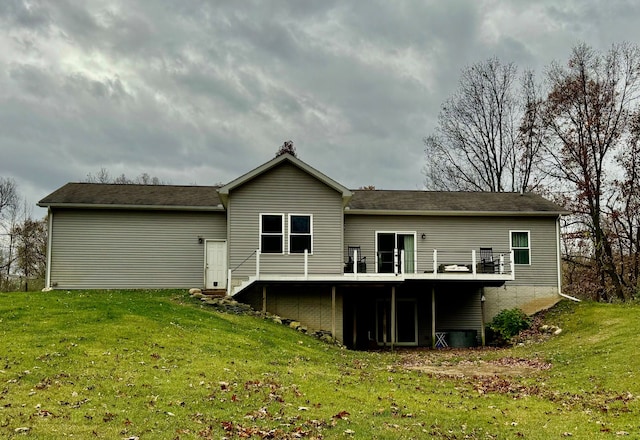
{"x":559,"y":259}
{"x":49,"y":240}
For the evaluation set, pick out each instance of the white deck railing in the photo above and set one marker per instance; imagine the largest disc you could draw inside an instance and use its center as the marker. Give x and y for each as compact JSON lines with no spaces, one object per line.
{"x":400,"y":260}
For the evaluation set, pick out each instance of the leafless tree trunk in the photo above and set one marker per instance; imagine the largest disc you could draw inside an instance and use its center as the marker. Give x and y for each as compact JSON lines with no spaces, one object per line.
{"x":588,"y":114}
{"x":486,"y":139}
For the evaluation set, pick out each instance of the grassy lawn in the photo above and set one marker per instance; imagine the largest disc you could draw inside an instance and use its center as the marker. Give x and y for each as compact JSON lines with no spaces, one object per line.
{"x":159,"y":365}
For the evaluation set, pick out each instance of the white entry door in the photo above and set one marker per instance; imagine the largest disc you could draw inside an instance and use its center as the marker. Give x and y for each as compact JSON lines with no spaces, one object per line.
{"x":215,"y":272}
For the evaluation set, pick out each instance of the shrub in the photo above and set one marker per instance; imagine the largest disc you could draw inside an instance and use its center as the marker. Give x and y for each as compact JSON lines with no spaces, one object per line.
{"x":508,"y":323}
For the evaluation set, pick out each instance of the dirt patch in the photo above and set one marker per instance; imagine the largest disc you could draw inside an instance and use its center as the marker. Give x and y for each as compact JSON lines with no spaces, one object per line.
{"x":465,"y":363}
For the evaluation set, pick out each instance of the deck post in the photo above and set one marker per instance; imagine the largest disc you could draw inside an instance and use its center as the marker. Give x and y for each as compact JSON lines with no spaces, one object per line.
{"x":512,"y":265}
{"x":333,"y":312}
{"x":395,"y":260}
{"x":473,"y":261}
{"x":355,"y":328}
{"x":229,"y":282}
{"x":393,"y":316}
{"x":501,"y":264}
{"x":435,"y":261}
{"x":433,"y":317}
{"x":482,"y":333}
{"x":258,"y":264}
{"x":264,"y":300}
{"x":355,"y":261}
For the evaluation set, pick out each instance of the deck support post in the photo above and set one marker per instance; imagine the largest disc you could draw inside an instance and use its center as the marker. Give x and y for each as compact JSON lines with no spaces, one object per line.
{"x":355,"y":328}
{"x":393,"y":316}
{"x":333,"y":312}
{"x":482,"y":333}
{"x":264,"y":300}
{"x":433,"y":317}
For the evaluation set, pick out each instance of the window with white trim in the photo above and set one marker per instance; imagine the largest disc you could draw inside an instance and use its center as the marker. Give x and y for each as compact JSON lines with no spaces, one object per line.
{"x":521,"y":247}
{"x":271,"y":233}
{"x":300,"y":233}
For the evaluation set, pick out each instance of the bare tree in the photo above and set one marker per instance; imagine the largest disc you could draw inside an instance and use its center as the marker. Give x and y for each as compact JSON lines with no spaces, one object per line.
{"x":588,"y":113}
{"x":31,"y":249}
{"x":8,"y":194}
{"x":487,"y":137}
{"x":103,"y":176}
{"x":9,"y":201}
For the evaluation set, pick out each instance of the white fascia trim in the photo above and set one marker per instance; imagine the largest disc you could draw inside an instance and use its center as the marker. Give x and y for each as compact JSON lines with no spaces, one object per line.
{"x":559,"y":257}
{"x":134,"y":207}
{"x":49,"y":240}
{"x":348,"y":211}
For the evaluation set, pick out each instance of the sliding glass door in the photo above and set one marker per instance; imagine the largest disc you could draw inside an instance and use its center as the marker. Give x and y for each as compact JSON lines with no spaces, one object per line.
{"x":389,"y":250}
{"x":406,"y":322}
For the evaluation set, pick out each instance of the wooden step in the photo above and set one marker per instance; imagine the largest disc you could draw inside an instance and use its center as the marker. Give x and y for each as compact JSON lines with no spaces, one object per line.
{"x":214,"y":292}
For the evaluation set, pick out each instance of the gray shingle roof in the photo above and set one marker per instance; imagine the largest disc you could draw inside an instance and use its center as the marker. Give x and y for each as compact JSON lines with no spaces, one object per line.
{"x":207,"y":198}
{"x":435,"y":201}
{"x":150,"y":196}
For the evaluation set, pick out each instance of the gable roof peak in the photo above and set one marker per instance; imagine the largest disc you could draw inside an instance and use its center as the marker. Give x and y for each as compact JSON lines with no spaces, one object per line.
{"x":224,"y":190}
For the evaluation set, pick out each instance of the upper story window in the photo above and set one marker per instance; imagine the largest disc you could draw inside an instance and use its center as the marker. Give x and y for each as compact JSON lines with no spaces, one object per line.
{"x":271,"y":233}
{"x":521,"y":247}
{"x":300,"y":233}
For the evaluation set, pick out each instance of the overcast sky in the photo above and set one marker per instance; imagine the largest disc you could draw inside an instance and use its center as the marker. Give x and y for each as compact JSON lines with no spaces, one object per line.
{"x":202,"y":92}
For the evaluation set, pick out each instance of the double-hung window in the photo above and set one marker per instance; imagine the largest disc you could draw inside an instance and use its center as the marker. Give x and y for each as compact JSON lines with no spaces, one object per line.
{"x":300,"y":233}
{"x":272,"y":233}
{"x":521,"y":247}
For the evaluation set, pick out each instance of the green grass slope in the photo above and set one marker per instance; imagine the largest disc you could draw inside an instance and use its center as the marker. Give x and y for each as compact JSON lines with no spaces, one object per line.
{"x":159,"y":365}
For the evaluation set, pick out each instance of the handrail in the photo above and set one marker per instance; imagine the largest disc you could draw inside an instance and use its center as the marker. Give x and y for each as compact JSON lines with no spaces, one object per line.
{"x":244,"y":261}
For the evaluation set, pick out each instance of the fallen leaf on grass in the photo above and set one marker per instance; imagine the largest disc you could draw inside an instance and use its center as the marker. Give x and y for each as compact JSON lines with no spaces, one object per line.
{"x":341,"y":415}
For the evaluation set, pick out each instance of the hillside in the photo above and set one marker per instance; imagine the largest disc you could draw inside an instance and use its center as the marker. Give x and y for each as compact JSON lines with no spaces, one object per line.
{"x":158,"y":364}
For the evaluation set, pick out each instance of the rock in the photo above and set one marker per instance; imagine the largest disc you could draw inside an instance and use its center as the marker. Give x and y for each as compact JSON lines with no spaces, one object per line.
{"x":326,"y":338}
{"x":276,"y":319}
{"x":194,"y":291}
{"x":557,"y":331}
{"x":294,"y":324}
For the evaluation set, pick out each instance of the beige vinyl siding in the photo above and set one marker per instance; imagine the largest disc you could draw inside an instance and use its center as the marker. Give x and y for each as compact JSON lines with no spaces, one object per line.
{"x":285,"y":190}
{"x":455,"y":237}
{"x":104,"y":249}
{"x":458,"y":310}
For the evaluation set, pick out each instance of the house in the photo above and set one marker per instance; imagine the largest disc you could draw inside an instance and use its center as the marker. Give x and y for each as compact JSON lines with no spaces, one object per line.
{"x":373,"y":267}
